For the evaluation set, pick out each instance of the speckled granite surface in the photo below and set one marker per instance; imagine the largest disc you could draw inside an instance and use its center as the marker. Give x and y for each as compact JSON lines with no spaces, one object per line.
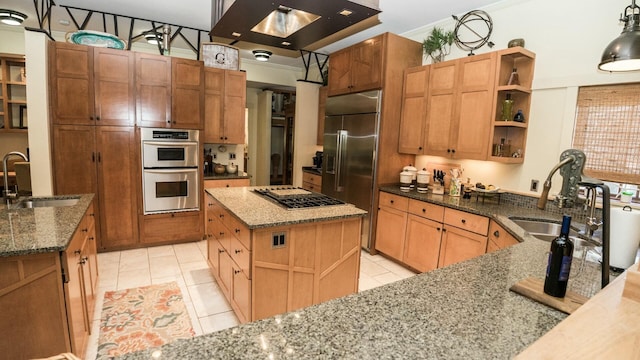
{"x":41,"y":229}
{"x":227,"y":176}
{"x":461,"y":311}
{"x":255,"y":211}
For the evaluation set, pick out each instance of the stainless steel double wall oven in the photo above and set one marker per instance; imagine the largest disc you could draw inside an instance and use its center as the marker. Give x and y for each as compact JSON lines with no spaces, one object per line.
{"x":170,"y":165}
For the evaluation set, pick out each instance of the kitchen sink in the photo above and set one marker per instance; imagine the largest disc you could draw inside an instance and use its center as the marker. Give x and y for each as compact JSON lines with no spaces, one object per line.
{"x":34,"y":203}
{"x":548,"y":230}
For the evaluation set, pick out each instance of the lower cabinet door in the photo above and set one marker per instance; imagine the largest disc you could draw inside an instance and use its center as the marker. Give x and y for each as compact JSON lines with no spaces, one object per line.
{"x":422,"y":244}
{"x":241,"y":294}
{"x":460,"y":245}
{"x":390,"y":232}
{"x":226,"y":273}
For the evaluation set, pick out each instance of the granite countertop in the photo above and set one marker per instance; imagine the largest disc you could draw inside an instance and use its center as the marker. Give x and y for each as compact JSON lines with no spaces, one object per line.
{"x":40,"y":229}
{"x":227,"y":176}
{"x":255,"y":211}
{"x":312,"y":170}
{"x":460,"y":311}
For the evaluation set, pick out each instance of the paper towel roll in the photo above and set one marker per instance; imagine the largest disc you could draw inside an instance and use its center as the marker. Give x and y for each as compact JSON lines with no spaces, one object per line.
{"x":625,"y":236}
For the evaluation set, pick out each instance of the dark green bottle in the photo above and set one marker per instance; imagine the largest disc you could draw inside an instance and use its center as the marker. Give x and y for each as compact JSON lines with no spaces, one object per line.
{"x":559,"y":265}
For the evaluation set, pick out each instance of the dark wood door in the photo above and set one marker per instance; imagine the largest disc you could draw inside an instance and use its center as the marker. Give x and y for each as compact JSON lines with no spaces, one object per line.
{"x":153,"y":90}
{"x":74,"y":159}
{"x":71,"y":83}
{"x":118,"y":185}
{"x":187,"y":92}
{"x":114,"y":87}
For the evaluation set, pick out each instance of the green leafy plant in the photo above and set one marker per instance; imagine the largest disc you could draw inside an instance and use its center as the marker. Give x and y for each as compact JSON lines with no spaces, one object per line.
{"x":438,"y":44}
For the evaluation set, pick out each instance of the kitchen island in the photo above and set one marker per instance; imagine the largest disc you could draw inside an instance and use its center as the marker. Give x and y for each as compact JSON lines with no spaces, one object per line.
{"x":48,"y":276}
{"x":269,"y":260}
{"x":464,"y":310}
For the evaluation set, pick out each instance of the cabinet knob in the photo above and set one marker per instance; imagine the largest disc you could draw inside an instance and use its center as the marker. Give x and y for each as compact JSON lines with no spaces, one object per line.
{"x":237,"y":231}
{"x":209,"y":220}
{"x":444,"y":230}
{"x":168,"y":121}
{"x":464,"y":221}
{"x":91,"y":238}
{"x":77,"y":252}
{"x":438,"y":229}
{"x":391,"y":201}
{"x":220,"y":251}
{"x":98,"y":118}
{"x":453,"y":151}
{"x":221,"y":216}
{"x":85,"y":230}
{"x":496,"y":233}
{"x":236,"y":272}
{"x":238,"y":251}
{"x":221,"y":233}
{"x":90,"y":117}
{"x":424,"y":210}
{"x":448,"y":150}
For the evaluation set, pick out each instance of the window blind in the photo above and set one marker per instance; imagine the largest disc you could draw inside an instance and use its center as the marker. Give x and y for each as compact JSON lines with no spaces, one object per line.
{"x":608,"y":131}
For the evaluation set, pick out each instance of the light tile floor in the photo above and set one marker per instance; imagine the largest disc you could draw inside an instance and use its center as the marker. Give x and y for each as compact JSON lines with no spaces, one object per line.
{"x":186,"y":264}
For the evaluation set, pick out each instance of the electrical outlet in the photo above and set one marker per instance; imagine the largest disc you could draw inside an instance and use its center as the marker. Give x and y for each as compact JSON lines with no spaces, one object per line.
{"x":534,"y":185}
{"x":232,"y":156}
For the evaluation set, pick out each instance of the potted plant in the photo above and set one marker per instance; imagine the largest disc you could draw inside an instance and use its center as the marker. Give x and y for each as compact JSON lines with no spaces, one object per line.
{"x":438,"y":44}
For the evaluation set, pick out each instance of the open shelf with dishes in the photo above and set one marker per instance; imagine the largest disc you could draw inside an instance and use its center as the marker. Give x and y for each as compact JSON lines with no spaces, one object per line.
{"x":13,"y":94}
{"x":514,"y":77}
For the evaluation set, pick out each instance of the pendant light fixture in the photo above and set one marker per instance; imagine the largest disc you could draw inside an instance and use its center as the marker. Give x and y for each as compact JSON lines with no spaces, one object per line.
{"x":623,"y":53}
{"x":11,"y":17}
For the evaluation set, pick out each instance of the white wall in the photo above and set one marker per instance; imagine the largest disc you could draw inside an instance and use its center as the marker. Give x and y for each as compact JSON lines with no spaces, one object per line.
{"x":306,"y":128}
{"x":568,"y":38}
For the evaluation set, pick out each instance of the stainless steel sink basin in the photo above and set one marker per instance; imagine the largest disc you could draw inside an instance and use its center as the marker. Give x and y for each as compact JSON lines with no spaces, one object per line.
{"x":542,"y":229}
{"x":33,"y":203}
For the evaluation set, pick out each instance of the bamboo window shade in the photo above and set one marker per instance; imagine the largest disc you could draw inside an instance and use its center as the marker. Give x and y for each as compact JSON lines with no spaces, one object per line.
{"x":608,"y":131}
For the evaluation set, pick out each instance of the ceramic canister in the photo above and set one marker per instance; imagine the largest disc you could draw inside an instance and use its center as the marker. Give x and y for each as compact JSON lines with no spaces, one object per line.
{"x":410,"y":168}
{"x":406,"y":179}
{"x":422,"y":180}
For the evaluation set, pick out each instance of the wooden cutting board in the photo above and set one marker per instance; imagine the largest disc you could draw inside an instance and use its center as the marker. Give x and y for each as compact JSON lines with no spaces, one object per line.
{"x":533,"y":288}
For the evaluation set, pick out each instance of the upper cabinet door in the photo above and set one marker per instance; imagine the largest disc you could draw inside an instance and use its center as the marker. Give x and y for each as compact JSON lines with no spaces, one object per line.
{"x":366,"y":65}
{"x":235,"y":99}
{"x":114,"y":87}
{"x":71,"y":84}
{"x":440,"y":108}
{"x":340,"y":72}
{"x":414,"y":110}
{"x":213,"y":105}
{"x":187,"y":91}
{"x":153,"y":90}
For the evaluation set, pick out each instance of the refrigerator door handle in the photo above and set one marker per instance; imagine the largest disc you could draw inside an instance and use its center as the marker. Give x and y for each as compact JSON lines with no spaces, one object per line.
{"x":341,"y":151}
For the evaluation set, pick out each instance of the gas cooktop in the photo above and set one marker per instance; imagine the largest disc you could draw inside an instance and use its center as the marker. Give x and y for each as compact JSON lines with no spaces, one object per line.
{"x":297,"y":198}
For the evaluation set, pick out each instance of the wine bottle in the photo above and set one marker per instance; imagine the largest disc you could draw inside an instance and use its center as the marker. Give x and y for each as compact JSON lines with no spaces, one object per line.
{"x":559,"y":264}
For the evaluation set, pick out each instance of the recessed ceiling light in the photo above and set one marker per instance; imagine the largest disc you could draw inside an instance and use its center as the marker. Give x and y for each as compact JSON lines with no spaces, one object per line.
{"x":345,"y":12}
{"x":11,"y":17}
{"x":236,"y":34}
{"x":286,"y":43}
{"x":262,"y":55}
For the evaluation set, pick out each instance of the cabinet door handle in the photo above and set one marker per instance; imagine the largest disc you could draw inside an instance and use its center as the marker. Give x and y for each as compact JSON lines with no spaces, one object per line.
{"x":453,"y":151}
{"x":496,"y":233}
{"x":438,"y":229}
{"x":424,"y":210}
{"x":464,"y":221}
{"x":77,"y":252}
{"x":93,"y":156}
{"x":168,"y":121}
{"x":221,"y":216}
{"x":98,"y":118}
{"x":237,"y":231}
{"x":209,"y":220}
{"x":392,"y":201}
{"x":448,"y":150}
{"x":99,"y":157}
{"x":236,"y":272}
{"x":419,"y":147}
{"x":85,"y":230}
{"x":220,"y":251}
{"x":221,"y":233}
{"x":444,"y":230}
{"x":90,"y":117}
{"x":238,"y":251}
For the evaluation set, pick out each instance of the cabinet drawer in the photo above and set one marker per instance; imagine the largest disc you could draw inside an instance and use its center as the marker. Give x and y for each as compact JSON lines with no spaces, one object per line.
{"x":311,"y":186}
{"x":238,"y":230}
{"x":226,"y":183}
{"x":426,"y":210}
{"x":500,"y":236}
{"x":312,"y":178}
{"x":463,"y":220}
{"x":241,"y":256}
{"x":394,"y":201}
{"x":182,"y":226}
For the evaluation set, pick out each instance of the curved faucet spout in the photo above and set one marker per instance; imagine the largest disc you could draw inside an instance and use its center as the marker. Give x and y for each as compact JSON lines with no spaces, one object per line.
{"x":542,"y":202}
{"x":6,"y":192}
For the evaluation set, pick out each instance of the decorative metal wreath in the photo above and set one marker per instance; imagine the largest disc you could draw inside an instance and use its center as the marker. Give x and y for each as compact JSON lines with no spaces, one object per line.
{"x":473,"y":30}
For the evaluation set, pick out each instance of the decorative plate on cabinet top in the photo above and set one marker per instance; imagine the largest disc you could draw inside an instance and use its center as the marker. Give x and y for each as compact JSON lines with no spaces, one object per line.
{"x":95,"y":38}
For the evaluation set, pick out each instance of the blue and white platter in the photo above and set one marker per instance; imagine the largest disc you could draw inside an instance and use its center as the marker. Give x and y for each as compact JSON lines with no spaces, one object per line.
{"x":96,"y":38}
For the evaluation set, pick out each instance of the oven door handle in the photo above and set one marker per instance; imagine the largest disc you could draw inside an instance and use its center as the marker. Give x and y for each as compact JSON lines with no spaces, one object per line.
{"x":170,"y":171}
{"x":170,"y":143}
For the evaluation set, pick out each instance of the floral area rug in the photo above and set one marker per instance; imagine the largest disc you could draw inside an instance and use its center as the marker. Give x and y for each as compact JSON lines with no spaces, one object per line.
{"x":141,"y":318}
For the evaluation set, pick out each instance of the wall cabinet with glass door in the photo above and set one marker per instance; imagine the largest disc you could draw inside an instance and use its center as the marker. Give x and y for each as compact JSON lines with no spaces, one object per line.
{"x":13,"y":94}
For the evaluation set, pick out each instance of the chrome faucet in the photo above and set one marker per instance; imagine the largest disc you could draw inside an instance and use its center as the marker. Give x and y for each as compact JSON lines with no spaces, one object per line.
{"x":571,"y":166}
{"x":6,"y":193}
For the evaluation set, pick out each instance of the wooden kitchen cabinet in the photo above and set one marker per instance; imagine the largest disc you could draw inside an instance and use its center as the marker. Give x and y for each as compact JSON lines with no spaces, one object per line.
{"x":414,"y":107}
{"x":225,"y":101}
{"x":13,"y":93}
{"x":458,"y":116}
{"x":153,"y":90}
{"x":187,"y":94}
{"x":422,"y":248}
{"x":460,"y":245}
{"x":514,"y":133}
{"x":107,"y":158}
{"x":499,"y":238}
{"x":91,"y":86}
{"x":391,"y":227}
{"x":357,"y":68}
{"x":171,"y":228}
{"x":311,"y":182}
{"x":322,"y":102}
{"x":49,"y":298}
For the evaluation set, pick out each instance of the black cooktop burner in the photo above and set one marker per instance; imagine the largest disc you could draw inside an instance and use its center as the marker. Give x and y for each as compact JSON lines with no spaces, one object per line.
{"x":297,"y":198}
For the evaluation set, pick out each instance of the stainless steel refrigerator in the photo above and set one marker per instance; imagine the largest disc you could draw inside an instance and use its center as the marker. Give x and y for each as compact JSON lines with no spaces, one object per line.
{"x":350,"y":147}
